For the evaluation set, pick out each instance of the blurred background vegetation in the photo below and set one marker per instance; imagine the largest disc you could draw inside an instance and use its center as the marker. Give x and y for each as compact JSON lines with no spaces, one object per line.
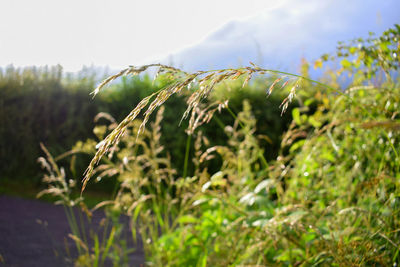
{"x":45,"y":105}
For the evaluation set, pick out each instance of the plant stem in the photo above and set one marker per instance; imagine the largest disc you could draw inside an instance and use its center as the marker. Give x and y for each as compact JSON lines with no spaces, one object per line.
{"x":185,"y":164}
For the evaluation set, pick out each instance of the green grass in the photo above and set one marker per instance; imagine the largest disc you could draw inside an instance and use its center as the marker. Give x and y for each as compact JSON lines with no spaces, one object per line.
{"x":330,"y":198}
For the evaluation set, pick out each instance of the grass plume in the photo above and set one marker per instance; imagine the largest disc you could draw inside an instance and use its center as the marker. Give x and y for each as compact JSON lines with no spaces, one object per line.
{"x":204,"y":83}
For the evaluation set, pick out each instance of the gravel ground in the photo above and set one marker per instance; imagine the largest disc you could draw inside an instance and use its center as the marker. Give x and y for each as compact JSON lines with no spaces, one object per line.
{"x":24,"y":241}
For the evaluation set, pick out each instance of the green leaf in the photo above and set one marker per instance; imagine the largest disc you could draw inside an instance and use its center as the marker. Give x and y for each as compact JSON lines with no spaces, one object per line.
{"x":187,"y":219}
{"x":297,"y":145}
{"x":345,"y":64}
{"x":352,"y":50}
{"x":110,"y":241}
{"x":296,"y":116}
{"x":96,"y":251}
{"x":314,"y":122}
{"x":309,"y":101}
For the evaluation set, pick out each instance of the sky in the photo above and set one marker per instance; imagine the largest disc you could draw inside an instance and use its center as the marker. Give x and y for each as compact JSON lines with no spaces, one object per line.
{"x":192,"y":34}
{"x":281,"y":37}
{"x":104,"y":32}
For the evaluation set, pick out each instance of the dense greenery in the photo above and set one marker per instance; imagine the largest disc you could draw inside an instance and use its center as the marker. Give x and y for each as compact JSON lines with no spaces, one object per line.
{"x":330,"y":198}
{"x":37,"y":106}
{"x":49,"y":106}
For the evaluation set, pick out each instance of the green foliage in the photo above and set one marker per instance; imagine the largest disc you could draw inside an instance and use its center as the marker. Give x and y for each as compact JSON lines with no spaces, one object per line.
{"x":109,"y":242}
{"x":346,"y":174}
{"x":37,"y":106}
{"x":45,"y":105}
{"x":367,"y":57}
{"x":331,"y":197}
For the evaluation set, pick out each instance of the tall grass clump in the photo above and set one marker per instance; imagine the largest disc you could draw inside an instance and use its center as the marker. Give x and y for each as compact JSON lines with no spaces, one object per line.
{"x":330,"y":198}
{"x":102,"y":244}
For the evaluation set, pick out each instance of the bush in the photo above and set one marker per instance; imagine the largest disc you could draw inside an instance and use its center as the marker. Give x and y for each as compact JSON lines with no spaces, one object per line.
{"x":36,"y":106}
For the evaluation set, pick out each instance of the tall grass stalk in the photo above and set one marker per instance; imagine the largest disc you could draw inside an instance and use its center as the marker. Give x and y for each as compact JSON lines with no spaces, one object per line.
{"x":206,"y":81}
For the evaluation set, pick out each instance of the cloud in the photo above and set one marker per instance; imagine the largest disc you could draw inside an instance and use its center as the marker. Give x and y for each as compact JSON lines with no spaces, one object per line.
{"x":280,"y":37}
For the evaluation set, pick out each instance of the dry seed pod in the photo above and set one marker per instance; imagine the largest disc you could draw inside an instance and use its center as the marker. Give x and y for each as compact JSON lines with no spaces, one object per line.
{"x":269,"y":91}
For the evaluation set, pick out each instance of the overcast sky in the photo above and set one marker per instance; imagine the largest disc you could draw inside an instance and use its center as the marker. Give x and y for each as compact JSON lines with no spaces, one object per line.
{"x":110,"y":32}
{"x":118,"y":33}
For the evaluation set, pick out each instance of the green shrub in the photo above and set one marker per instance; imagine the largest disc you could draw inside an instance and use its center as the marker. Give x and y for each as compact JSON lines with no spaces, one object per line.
{"x":36,"y":106}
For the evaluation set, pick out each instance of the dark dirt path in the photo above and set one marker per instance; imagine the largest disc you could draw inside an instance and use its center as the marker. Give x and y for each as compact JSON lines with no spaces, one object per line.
{"x":25,"y":242}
